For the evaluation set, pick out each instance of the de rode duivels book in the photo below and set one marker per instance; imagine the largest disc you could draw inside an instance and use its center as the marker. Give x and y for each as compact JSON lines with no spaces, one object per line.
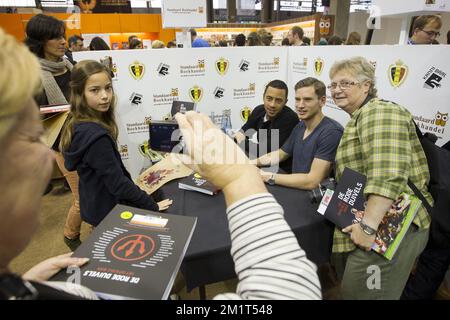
{"x":346,"y":205}
{"x":134,"y":254}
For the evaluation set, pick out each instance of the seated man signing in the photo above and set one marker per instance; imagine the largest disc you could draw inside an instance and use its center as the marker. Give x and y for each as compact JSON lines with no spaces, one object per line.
{"x":312,"y":144}
{"x":273,"y":121}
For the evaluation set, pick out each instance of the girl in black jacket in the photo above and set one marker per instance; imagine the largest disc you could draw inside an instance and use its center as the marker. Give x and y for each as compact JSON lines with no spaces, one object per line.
{"x":89,"y":145}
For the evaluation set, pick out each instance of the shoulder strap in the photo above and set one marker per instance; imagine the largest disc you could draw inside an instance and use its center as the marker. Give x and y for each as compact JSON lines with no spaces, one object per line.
{"x":419,"y":194}
{"x":416,"y":190}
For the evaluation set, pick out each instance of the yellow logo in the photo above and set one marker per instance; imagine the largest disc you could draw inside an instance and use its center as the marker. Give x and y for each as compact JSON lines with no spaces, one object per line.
{"x":147,"y":120}
{"x":222,"y":66}
{"x":276,"y":61}
{"x":201,"y":64}
{"x":196,"y":93}
{"x":318,"y":66}
{"x":126,"y":215}
{"x":397,"y":73}
{"x":305,"y":62}
{"x":197,"y":176}
{"x":252,"y":87}
{"x":144,"y":148}
{"x":174,"y":92}
{"x":137,"y":70}
{"x":441,"y":119}
{"x":200,"y":10}
{"x":245,"y":113}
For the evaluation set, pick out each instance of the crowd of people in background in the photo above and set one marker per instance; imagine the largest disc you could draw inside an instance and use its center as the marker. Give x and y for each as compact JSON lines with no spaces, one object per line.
{"x":262,"y":37}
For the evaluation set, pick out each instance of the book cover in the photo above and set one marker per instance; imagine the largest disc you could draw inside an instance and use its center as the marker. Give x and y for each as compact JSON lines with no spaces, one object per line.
{"x":181,"y":106}
{"x":160,"y":173}
{"x":134,"y":254}
{"x":53,"y":126}
{"x":196,"y":182}
{"x":346,"y":205}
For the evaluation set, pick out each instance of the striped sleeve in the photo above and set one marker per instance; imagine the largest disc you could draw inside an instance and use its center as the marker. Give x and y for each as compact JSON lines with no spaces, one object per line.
{"x":268,"y":259}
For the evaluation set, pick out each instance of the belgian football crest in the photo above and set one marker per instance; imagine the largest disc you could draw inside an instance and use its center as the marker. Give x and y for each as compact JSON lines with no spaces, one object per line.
{"x":245,"y":113}
{"x":318,"y":66}
{"x":222,"y":66}
{"x":196,"y":93}
{"x":397,"y":73}
{"x":137,"y":70}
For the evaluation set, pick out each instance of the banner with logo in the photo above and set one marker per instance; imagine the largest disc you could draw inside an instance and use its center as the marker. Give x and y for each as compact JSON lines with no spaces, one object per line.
{"x":403,"y":75}
{"x":221,"y":81}
{"x":183,"y":14}
{"x":230,"y":81}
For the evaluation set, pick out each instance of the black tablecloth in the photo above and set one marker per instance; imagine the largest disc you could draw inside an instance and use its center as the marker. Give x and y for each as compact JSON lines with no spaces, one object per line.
{"x":208,"y":259}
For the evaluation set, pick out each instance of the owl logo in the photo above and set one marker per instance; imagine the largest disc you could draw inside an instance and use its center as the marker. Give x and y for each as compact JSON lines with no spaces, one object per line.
{"x":252,"y":87}
{"x":441,"y":119}
{"x":174,"y":92}
{"x":201,"y":64}
{"x":325,"y":26}
{"x":87,"y":6}
{"x":276,"y":61}
{"x":123,"y":150}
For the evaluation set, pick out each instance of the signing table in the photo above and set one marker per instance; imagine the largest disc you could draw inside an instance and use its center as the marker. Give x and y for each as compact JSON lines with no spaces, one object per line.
{"x":208,"y":259}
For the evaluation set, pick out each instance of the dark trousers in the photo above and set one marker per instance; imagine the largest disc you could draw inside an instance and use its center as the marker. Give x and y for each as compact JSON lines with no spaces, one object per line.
{"x":430,"y":272}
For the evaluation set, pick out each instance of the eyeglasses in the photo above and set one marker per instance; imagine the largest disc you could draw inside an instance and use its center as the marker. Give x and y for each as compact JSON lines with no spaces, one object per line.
{"x":432,"y":33}
{"x":344,"y":85}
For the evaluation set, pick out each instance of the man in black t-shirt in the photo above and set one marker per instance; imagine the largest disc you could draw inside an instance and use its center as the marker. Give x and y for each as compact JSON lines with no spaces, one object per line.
{"x":273,"y":121}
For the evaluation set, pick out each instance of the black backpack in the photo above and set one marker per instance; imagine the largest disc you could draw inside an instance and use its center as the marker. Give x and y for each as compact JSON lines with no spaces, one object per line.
{"x":439,"y":187}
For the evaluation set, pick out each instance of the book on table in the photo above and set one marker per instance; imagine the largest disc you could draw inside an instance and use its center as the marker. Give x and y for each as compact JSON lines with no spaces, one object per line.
{"x":346,"y":205}
{"x":195,"y":182}
{"x":134,"y":254}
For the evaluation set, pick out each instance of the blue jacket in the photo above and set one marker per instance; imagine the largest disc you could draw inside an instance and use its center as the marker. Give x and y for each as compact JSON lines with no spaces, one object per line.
{"x":104,"y":181}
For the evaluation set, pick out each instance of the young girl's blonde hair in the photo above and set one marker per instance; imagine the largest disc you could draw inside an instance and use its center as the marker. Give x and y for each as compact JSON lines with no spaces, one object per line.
{"x":79,"y":110}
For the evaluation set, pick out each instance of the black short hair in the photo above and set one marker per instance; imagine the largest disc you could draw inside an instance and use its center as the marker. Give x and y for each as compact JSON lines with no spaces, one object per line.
{"x":277,"y":84}
{"x":132,"y":37}
{"x":98,"y":43}
{"x":335,"y":41}
{"x":73,"y":39}
{"x":134,"y":43}
{"x":240,"y":40}
{"x":40,"y":29}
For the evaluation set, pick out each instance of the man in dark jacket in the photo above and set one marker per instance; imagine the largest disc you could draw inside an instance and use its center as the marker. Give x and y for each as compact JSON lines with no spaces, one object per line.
{"x":273,"y":121}
{"x":75,"y":45}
